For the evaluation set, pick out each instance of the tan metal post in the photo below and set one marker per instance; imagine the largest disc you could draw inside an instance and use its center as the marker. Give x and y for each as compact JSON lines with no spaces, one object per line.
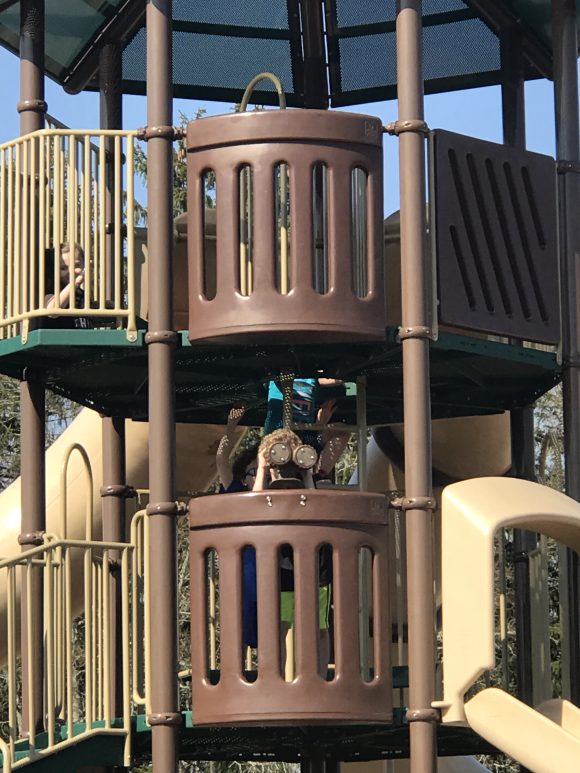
{"x":565,"y":42}
{"x":415,"y":335}
{"x":32,"y":108}
{"x":111,"y":112}
{"x":161,"y":339}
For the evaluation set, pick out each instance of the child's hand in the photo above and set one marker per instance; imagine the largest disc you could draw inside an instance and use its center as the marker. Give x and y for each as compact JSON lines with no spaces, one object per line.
{"x":325,"y":411}
{"x":235,"y":415}
{"x":79,"y":276}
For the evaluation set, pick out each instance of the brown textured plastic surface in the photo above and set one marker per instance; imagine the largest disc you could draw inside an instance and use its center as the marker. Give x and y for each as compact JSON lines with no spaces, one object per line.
{"x":267,"y":520}
{"x":497,"y":238}
{"x":301,"y":139}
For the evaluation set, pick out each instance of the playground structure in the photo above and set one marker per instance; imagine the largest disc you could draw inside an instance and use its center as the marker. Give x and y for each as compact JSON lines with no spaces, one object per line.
{"x":459,"y":320}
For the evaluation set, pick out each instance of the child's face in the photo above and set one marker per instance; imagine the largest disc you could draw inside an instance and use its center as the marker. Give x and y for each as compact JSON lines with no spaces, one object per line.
{"x":79,"y":260}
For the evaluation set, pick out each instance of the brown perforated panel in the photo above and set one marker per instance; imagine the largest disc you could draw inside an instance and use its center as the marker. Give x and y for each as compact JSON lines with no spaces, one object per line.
{"x":496,"y":238}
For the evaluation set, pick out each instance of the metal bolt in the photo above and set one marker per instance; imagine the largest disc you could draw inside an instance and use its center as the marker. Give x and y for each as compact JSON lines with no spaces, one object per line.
{"x":269,"y":501}
{"x":303,"y":500}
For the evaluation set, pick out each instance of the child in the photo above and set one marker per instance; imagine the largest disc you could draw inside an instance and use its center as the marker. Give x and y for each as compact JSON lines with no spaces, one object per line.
{"x":269,"y":473}
{"x":72,"y":278}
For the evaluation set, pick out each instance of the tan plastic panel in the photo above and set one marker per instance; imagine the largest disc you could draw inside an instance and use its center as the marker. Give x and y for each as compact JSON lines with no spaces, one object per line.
{"x":472,"y":511}
{"x":532,"y":739}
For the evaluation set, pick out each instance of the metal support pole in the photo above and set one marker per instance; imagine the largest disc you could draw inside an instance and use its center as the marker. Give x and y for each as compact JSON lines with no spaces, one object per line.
{"x":32,"y":109}
{"x":565,"y":42}
{"x":164,"y":718}
{"x":114,"y":479}
{"x":33,"y":525}
{"x":417,"y":402}
{"x":521,"y":419}
{"x":113,"y":495}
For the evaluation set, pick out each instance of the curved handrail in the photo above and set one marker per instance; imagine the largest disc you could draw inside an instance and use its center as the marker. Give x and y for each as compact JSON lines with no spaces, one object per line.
{"x":63,"y":491}
{"x":472,"y":511}
{"x":263,"y":76}
{"x":6,"y":757}
{"x":140,"y":572}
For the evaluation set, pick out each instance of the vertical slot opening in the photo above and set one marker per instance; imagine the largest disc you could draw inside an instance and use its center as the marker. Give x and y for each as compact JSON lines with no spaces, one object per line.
{"x":249,"y":614}
{"x":246,"y":196}
{"x":287,"y":642}
{"x":320,"y":228}
{"x":212,"y":574}
{"x":283,"y":227}
{"x":325,"y":617}
{"x":365,"y":613}
{"x":359,"y":218}
{"x":209,"y":201}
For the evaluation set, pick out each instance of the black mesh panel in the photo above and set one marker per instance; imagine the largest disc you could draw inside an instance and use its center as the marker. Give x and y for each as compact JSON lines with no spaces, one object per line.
{"x":234,"y":13}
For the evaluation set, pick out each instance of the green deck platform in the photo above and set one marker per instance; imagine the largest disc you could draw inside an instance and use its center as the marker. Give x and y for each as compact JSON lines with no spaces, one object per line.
{"x":102,"y":370}
{"x":101,"y":748}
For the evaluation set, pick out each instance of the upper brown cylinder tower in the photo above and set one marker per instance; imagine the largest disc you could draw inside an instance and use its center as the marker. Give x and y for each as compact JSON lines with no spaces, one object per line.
{"x":298,"y":198}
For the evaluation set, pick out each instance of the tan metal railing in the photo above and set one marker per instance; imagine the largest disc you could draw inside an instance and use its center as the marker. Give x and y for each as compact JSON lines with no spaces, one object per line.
{"x":77,"y":663}
{"x":77,"y":630}
{"x":67,"y":186}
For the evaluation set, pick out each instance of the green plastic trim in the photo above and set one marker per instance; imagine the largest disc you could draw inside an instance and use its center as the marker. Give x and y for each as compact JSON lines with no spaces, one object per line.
{"x":103,"y":338}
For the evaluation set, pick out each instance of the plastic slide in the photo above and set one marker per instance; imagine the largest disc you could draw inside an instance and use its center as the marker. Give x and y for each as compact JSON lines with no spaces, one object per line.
{"x":195,"y":470}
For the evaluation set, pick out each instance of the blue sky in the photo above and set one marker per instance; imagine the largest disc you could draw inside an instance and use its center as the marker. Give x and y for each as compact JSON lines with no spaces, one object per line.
{"x":475,"y":112}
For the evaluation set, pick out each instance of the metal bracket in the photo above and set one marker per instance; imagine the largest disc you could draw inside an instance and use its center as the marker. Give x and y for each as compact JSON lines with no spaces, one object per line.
{"x":162,"y":337}
{"x":32,"y":106}
{"x":415,"y":331}
{"x":413,"y":503}
{"x":34,"y":538}
{"x":167,"y":718}
{"x":567,"y":167}
{"x":161,"y":132}
{"x":118,"y":490}
{"x":423,"y":715}
{"x":167,"y":508}
{"x":571,"y":362}
{"x":414,"y":125}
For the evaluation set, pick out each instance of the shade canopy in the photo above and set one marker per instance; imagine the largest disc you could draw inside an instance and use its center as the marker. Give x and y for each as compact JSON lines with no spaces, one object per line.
{"x":326,"y":52}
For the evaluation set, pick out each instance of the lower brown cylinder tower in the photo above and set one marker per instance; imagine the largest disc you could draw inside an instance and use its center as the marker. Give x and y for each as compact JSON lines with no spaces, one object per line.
{"x":291,"y":537}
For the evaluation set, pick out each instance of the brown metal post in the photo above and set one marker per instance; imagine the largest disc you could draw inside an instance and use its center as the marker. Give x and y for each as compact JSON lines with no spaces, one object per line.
{"x":114,"y":488}
{"x":565,"y":42}
{"x":113,"y":495}
{"x":521,"y":419}
{"x":32,"y":108}
{"x":417,"y":404}
{"x":165,"y":718}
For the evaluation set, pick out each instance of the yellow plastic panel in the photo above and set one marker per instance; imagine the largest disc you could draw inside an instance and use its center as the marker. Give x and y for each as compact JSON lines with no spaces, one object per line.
{"x":526,"y":735}
{"x":472,"y":511}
